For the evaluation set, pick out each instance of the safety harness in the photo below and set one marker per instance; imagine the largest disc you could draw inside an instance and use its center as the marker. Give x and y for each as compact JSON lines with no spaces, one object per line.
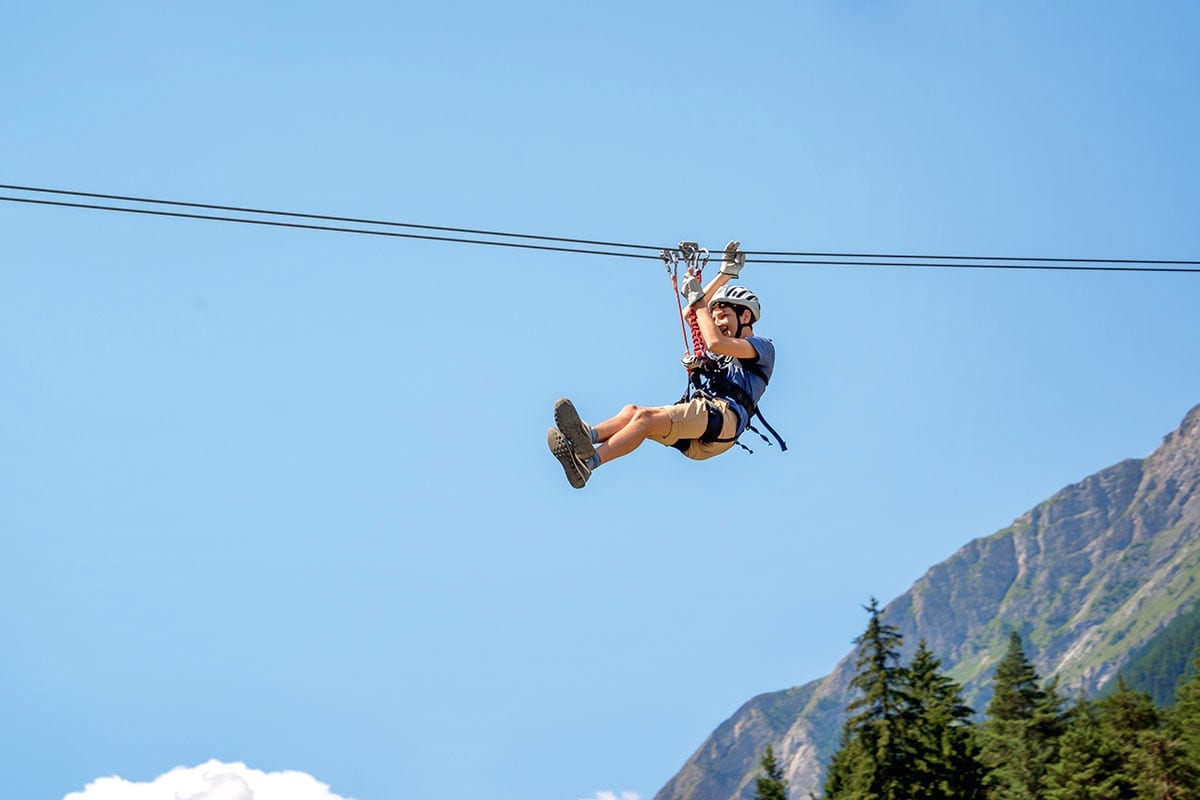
{"x":709,"y":383}
{"x":706,"y":373}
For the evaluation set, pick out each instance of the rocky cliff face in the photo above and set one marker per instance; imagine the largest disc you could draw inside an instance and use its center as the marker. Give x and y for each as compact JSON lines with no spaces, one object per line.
{"x":1085,"y":577}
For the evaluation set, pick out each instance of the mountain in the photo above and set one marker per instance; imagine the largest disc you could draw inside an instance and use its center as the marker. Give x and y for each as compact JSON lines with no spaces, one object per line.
{"x":1087,"y":577}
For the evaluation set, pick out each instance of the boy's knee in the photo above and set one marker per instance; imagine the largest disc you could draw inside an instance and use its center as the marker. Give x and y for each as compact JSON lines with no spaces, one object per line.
{"x":652,"y":418}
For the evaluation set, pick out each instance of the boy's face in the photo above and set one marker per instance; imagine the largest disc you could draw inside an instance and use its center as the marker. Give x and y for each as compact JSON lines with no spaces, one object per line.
{"x":726,"y":318}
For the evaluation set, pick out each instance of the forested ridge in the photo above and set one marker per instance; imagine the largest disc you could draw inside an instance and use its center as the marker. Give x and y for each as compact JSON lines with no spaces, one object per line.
{"x":908,"y":734}
{"x":1166,"y":661}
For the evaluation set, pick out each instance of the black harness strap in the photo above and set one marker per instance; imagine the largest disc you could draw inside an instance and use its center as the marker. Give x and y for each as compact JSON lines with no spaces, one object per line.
{"x":712,"y":428}
{"x":718,"y":386}
{"x":767,"y":425}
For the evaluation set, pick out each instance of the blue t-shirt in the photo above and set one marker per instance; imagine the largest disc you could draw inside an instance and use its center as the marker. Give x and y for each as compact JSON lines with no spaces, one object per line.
{"x":734,"y":370}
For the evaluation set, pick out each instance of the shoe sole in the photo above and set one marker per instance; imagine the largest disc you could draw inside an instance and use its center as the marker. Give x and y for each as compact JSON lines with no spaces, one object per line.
{"x":568,"y":421}
{"x":561,"y":449}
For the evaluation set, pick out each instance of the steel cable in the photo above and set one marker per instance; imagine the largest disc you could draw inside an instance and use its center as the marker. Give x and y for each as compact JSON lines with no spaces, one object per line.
{"x":799,"y":258}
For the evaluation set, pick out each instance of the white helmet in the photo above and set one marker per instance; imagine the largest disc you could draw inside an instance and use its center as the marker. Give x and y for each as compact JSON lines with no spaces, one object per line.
{"x":738,"y":296}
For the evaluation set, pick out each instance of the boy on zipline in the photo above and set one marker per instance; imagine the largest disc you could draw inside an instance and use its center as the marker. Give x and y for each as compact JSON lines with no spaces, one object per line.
{"x":710,"y":421}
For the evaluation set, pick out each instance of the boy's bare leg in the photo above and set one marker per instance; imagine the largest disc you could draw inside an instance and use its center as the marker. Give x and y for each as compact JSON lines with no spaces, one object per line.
{"x":605,"y":430}
{"x":639,"y":423}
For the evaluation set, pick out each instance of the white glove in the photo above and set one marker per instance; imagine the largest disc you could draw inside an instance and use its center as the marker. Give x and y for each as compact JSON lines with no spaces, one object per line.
{"x":691,"y":289}
{"x":732,"y":260}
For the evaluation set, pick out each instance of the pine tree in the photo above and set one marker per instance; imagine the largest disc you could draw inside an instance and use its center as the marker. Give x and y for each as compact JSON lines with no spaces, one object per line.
{"x":1124,"y":716}
{"x":1099,"y":753}
{"x":1183,"y":719}
{"x":1015,"y":693}
{"x":1163,"y":770}
{"x":1168,"y":760}
{"x":1114,"y":749}
{"x":939,"y":736}
{"x":874,"y":761}
{"x":770,"y":785}
{"x":1019,"y":738}
{"x":1088,"y":763}
{"x":849,"y":774}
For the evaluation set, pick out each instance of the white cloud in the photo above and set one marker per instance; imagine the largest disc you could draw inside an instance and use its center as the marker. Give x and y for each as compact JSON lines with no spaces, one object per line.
{"x":606,"y":795}
{"x":213,"y":780}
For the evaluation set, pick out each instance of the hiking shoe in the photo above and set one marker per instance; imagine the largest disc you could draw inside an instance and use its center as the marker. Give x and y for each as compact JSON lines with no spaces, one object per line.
{"x":577,"y":471}
{"x":568,"y":421}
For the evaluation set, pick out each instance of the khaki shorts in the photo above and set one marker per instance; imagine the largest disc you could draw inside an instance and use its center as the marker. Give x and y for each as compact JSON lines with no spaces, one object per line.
{"x":689,"y":421}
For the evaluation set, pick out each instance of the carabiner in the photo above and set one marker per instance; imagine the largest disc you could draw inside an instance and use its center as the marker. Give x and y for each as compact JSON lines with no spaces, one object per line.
{"x":670,"y":261}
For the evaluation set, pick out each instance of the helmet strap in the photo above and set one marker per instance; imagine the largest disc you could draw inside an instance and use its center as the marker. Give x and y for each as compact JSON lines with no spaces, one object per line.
{"x":741,"y":325}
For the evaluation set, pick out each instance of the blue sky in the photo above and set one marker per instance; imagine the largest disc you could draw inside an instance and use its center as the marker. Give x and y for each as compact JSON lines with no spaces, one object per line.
{"x":282,"y":497}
